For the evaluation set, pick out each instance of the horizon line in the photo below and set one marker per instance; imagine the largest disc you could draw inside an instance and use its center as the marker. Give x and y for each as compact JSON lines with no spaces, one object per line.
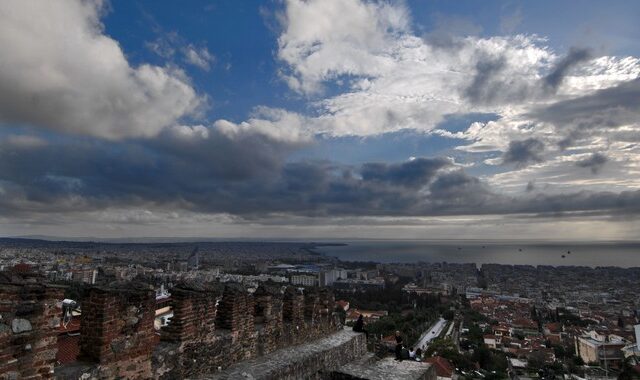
{"x":201,"y":239}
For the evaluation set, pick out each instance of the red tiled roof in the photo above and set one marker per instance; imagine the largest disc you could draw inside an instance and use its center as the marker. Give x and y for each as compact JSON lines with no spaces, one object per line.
{"x":355,"y":313}
{"x":554,"y":339}
{"x":68,"y":348}
{"x":526,"y":323}
{"x":553,"y":327}
{"x":389,"y":339}
{"x":22,"y":268}
{"x":443,"y":367}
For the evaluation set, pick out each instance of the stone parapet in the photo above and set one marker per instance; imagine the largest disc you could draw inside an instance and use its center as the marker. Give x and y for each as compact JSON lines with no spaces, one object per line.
{"x":313,"y":360}
{"x":385,"y":369}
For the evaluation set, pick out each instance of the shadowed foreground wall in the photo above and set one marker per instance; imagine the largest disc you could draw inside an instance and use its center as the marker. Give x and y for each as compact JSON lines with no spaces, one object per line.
{"x":203,"y":337}
{"x":221,"y":331}
{"x":212,"y":328}
{"x":28,"y":323}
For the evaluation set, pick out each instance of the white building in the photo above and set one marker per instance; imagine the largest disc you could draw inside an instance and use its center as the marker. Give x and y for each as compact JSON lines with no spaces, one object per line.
{"x":328,"y":277}
{"x":304,"y":280}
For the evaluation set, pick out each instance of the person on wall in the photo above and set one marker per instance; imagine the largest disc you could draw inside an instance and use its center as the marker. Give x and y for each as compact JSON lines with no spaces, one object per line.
{"x":398,"y":346}
{"x":359,"y":326}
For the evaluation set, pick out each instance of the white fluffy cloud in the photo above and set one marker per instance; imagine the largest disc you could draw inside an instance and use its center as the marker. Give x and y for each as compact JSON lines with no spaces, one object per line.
{"x":60,"y":71}
{"x":366,"y":72}
{"x":389,"y":78}
{"x":276,"y":124}
{"x":382,"y":77}
{"x":199,"y":57}
{"x":323,"y":40}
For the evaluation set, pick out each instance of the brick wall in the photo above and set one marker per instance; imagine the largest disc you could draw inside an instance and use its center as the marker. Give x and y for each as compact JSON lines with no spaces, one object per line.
{"x":194,"y":314}
{"x":240,"y":327}
{"x":268,"y":318}
{"x":116,"y":331}
{"x":212,"y":328}
{"x":293,"y":306}
{"x":28,"y":338}
{"x":235,"y":311}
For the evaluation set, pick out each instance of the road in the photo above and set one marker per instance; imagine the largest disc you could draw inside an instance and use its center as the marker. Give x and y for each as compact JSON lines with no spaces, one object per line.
{"x":456,"y":334}
{"x":431,"y":334}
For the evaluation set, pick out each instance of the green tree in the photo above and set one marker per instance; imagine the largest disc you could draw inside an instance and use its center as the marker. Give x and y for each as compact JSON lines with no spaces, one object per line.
{"x":448,"y":315}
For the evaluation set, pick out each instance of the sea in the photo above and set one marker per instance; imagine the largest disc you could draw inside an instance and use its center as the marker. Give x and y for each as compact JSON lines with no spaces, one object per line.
{"x":590,"y":254}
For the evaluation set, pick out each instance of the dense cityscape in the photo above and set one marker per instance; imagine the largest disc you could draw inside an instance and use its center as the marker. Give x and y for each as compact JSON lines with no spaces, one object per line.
{"x":468,"y":321}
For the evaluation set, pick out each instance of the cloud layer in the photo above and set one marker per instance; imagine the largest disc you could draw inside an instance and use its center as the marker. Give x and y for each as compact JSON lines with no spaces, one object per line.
{"x":202,"y":170}
{"x":84,"y":130}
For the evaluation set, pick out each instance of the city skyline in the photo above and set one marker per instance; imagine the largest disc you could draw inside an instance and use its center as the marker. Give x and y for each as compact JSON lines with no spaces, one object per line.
{"x":320,"y":119}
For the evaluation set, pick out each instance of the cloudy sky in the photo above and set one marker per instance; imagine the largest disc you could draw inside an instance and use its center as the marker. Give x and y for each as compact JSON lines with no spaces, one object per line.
{"x":320,"y":119}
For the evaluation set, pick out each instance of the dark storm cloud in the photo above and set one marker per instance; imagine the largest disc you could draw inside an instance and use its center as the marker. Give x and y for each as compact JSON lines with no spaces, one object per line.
{"x":75,"y":175}
{"x":246,"y":177}
{"x":454,"y":186}
{"x":413,"y":173}
{"x":557,"y":75}
{"x":524,"y":152}
{"x":165,"y":169}
{"x":596,"y":203}
{"x":454,"y":192}
{"x":595,"y":162}
{"x":220,"y":156}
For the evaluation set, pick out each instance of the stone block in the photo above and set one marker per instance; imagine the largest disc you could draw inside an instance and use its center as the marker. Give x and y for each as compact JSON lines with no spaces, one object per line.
{"x":19,"y":325}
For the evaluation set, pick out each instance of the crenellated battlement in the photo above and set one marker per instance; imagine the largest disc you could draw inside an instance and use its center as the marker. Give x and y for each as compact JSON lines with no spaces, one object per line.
{"x":194,"y":313}
{"x":212,"y":327}
{"x":217,"y":331}
{"x":116,"y":330}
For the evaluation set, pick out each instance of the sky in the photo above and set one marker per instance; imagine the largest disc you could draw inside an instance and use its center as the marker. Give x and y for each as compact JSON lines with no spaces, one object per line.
{"x":320,"y":119}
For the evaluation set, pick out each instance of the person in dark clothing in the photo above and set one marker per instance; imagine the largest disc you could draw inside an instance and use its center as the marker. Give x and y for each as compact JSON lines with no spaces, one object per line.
{"x":405,"y":353}
{"x":359,"y":326}
{"x":398,"y":346}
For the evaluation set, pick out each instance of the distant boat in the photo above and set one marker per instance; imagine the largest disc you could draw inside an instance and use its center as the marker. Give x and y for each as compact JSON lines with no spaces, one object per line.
{"x":519,"y":249}
{"x":569,"y":252}
{"x":563,"y":256}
